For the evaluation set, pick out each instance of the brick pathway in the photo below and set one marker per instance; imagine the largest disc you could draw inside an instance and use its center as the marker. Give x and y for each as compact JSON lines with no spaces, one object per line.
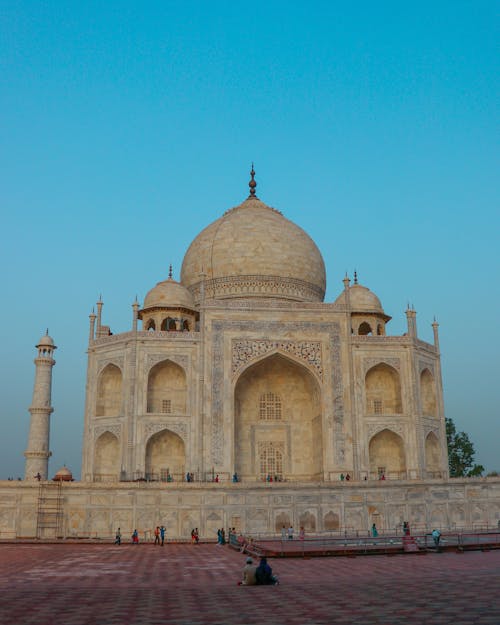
{"x":76,"y":584}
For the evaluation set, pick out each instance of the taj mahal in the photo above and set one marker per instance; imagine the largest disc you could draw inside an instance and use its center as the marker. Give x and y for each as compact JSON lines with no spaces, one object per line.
{"x":239,"y":397}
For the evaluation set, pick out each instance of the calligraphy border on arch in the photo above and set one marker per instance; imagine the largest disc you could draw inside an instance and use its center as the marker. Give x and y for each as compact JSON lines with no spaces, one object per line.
{"x":276,"y":328}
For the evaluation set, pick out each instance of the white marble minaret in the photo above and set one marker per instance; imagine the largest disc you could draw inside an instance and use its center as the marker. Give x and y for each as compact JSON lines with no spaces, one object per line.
{"x":38,"y":454}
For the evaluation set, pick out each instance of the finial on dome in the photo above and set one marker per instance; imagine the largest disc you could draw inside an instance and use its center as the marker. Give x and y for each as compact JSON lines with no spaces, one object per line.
{"x":170,"y":272}
{"x":355,"y":277}
{"x":252,"y":184}
{"x":47,"y":332}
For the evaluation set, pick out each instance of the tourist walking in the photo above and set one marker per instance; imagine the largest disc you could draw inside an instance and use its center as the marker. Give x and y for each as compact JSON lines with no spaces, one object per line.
{"x":162,"y":535}
{"x":436,"y":536}
{"x":118,"y":537}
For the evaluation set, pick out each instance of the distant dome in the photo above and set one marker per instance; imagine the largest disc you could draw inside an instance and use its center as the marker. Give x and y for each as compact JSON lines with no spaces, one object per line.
{"x":63,"y":475}
{"x":169,"y":294}
{"x":46,"y":341}
{"x":253,"y":251}
{"x":362,"y":300}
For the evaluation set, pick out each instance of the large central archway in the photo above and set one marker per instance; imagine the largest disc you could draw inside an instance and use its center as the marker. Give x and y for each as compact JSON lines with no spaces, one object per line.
{"x":165,"y":454}
{"x":277,"y":421}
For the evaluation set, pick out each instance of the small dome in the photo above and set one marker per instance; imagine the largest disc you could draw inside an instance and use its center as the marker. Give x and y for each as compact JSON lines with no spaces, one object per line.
{"x":63,"y":475}
{"x":253,"y":251}
{"x":169,"y":294}
{"x":362,"y":300}
{"x":46,"y":341}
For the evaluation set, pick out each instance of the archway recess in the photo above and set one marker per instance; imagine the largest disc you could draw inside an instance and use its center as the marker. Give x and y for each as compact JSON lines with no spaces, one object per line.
{"x":387,"y":455}
{"x":165,"y":454}
{"x":277,"y":421}
{"x":109,"y":392}
{"x":428,"y":393}
{"x":167,"y":388}
{"x":383,"y":390}
{"x":106,"y":458}
{"x":432,"y":456}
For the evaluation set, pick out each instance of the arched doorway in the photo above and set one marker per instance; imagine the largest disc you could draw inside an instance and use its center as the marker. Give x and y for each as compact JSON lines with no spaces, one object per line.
{"x":109,"y":392}
{"x":383,"y":390}
{"x":167,"y":389}
{"x":165,"y":454}
{"x":387,"y":456}
{"x":277,"y":421}
{"x":106,"y":458}
{"x":432,"y":456}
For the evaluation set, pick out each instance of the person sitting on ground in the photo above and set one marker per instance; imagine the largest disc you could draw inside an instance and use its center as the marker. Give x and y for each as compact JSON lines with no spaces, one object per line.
{"x":264,"y":573}
{"x":249,"y":578}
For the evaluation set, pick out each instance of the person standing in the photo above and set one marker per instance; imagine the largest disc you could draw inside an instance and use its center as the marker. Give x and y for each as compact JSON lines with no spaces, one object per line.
{"x":157,"y":535}
{"x":374,"y":531}
{"x":436,"y":536}
{"x":290,"y":532}
{"x":135,"y":537}
{"x":302,"y":533}
{"x":162,"y":534}
{"x":118,"y":537}
{"x":283,"y":533}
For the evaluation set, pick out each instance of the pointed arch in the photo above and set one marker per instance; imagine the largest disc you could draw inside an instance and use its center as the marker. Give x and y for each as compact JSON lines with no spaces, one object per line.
{"x":165,"y":454}
{"x":428,"y":393}
{"x":387,"y":455}
{"x":168,"y":325}
{"x":109,"y":392}
{"x":365,"y":329}
{"x":167,"y":388}
{"x":107,"y":458}
{"x":432,"y":455}
{"x":277,"y":420}
{"x":383,"y":390}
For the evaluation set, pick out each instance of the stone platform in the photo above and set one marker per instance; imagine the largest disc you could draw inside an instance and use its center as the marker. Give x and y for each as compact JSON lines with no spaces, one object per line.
{"x":81,"y":584}
{"x":95,"y":510}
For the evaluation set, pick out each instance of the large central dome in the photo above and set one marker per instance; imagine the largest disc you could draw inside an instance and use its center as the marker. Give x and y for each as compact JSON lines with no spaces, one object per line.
{"x":253,"y":251}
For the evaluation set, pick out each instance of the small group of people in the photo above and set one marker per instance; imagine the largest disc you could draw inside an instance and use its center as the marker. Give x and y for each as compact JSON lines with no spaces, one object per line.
{"x":345,"y":477}
{"x":287,"y":533}
{"x":261,"y":574}
{"x":160,"y":535}
{"x":276,"y":478}
{"x":195,"y":536}
{"x":189,"y":477}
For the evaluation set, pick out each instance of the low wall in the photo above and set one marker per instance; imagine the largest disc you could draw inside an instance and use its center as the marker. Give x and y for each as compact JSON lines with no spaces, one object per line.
{"x":96,"y":509}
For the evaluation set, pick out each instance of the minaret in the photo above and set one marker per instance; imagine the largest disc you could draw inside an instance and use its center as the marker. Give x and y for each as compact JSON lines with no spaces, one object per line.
{"x":38,"y":454}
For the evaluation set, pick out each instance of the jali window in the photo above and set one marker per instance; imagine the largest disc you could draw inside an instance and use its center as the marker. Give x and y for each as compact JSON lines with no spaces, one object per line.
{"x":270,"y":407}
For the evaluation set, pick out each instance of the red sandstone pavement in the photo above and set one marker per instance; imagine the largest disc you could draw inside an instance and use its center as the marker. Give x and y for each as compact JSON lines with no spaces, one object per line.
{"x":76,"y":584}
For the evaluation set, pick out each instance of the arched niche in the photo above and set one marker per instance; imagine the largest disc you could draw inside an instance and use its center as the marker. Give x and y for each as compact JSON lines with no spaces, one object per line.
{"x":168,"y":325}
{"x":383,"y":390}
{"x":331,"y":521}
{"x":387,"y":455}
{"x":167,"y":389}
{"x":291,"y":435}
{"x":364,"y":329}
{"x":109,"y":392}
{"x":428,"y":393}
{"x":432,"y":455}
{"x":151,"y":325}
{"x":106,"y":458}
{"x":165,"y":454}
{"x":282,"y":521}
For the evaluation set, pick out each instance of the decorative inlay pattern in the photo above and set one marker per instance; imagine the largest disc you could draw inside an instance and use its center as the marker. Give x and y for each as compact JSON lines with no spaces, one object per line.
{"x":395,"y":363}
{"x":258,"y":285}
{"x":178,"y":359}
{"x":175,"y":426}
{"x":114,"y":429}
{"x":277,"y":328}
{"x":244,"y":350}
{"x":393,"y":426}
{"x":118,"y":361}
{"x":425,"y":365}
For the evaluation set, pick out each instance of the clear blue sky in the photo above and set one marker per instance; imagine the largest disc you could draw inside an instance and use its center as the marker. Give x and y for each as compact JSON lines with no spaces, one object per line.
{"x":127,"y":127}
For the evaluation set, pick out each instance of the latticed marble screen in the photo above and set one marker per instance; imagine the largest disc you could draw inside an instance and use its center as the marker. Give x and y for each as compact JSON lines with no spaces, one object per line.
{"x":271,"y":460}
{"x":270,"y":406}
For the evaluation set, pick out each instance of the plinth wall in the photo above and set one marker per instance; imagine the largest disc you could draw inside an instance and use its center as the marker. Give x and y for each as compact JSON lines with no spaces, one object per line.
{"x":96,"y":510}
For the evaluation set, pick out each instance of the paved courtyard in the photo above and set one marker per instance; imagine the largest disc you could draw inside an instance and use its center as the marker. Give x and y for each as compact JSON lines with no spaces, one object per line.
{"x":81,"y":584}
